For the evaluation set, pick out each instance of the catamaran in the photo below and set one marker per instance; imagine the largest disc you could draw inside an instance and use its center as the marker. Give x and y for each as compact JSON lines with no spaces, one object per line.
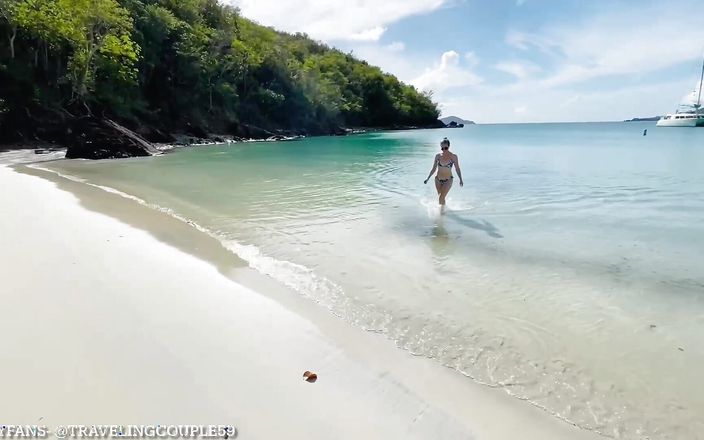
{"x":689,"y":113}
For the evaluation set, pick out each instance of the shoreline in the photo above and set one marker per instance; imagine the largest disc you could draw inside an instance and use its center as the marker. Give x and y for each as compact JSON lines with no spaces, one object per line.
{"x":40,"y":147}
{"x":410,"y":395}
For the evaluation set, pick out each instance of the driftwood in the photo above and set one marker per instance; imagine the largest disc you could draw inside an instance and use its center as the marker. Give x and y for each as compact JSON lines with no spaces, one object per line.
{"x":90,"y":137}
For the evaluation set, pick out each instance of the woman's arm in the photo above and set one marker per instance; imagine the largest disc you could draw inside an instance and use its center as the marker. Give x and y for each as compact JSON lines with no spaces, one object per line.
{"x":435,"y":167}
{"x":459,"y":171}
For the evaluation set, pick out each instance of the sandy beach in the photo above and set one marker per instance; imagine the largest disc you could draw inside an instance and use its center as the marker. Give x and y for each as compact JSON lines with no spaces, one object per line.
{"x":117,"y":314}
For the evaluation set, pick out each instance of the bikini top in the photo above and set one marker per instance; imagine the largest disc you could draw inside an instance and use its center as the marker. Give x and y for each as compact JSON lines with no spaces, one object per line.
{"x":447,"y":165}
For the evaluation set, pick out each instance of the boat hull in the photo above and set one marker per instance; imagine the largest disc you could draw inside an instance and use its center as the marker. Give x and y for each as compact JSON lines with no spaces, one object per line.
{"x":672,"y":122}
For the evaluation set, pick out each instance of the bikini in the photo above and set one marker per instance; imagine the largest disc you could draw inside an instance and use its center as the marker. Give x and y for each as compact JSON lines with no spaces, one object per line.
{"x":447,"y":165}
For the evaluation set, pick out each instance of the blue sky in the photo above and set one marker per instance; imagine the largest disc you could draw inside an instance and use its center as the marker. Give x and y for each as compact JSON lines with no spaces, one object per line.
{"x":516,"y":60}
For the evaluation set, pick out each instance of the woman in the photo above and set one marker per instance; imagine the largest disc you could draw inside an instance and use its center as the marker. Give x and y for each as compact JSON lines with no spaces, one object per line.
{"x":443,"y":163}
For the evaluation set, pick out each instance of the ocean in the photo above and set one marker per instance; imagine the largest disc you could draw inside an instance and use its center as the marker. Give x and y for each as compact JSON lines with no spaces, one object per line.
{"x":568,"y":272}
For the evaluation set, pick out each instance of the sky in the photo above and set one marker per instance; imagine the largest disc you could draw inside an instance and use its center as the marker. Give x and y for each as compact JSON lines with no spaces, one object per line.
{"x":516,"y":60}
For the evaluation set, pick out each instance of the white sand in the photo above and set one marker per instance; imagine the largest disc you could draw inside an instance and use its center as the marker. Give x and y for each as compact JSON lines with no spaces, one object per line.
{"x":103,"y":323}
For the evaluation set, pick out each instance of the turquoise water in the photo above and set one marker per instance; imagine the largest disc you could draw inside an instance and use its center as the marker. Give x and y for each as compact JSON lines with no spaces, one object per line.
{"x":568,"y":271}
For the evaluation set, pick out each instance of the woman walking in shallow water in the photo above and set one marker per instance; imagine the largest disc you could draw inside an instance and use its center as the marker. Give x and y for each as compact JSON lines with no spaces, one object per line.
{"x":443,"y":164}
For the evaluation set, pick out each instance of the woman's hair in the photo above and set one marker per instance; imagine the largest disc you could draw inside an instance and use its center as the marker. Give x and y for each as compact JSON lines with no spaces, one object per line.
{"x":445,"y":141}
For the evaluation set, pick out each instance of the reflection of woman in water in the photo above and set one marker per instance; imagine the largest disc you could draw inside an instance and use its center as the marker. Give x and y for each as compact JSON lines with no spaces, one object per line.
{"x":443,"y":163}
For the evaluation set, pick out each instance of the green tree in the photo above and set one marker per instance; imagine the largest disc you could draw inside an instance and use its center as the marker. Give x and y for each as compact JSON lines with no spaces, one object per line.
{"x":100,"y":36}
{"x":8,"y":13}
{"x":187,"y":64}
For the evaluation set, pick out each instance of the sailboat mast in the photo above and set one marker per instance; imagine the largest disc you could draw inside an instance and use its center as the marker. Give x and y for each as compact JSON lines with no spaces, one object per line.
{"x":701,"y":79}
{"x":699,"y":98}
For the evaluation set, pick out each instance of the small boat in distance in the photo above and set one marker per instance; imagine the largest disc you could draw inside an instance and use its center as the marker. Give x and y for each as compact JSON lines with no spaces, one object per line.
{"x":689,"y":113}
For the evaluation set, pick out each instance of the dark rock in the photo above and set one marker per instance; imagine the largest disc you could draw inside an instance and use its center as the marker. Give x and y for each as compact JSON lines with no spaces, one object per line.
{"x":436,"y":124}
{"x":247,"y":131}
{"x":153,"y":134}
{"x":37,"y":125}
{"x":90,"y":137}
{"x":196,"y":131}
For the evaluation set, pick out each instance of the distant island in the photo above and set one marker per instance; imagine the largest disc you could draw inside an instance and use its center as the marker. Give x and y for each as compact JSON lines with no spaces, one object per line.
{"x":652,"y":118}
{"x":455,"y":121}
{"x":114,"y":76}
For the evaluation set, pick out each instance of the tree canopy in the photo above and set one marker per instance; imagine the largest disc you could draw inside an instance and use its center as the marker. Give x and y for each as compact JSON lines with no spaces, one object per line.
{"x":182,"y":63}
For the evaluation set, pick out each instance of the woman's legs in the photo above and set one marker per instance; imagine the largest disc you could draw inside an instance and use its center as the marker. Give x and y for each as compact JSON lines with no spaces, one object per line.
{"x":444,"y":189}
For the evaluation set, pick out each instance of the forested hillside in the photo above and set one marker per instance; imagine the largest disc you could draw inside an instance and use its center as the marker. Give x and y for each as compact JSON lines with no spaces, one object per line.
{"x":180,"y":65}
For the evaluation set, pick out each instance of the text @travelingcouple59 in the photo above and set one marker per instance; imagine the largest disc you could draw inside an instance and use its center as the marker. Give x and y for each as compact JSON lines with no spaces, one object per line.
{"x":118,"y":432}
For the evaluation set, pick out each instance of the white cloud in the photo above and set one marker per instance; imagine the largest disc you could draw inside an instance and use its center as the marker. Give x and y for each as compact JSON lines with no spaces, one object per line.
{"x":447,"y":74}
{"x":331,"y":20}
{"x":620,"y":43}
{"x":472,"y":59}
{"x":396,"y":46}
{"x":601,"y":67}
{"x":519,"y":69}
{"x":392,"y":58}
{"x":490,"y":104}
{"x":372,"y":34}
{"x":527,"y":41}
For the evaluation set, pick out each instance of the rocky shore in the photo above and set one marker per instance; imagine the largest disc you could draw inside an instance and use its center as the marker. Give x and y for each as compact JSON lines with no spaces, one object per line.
{"x":94,"y":137}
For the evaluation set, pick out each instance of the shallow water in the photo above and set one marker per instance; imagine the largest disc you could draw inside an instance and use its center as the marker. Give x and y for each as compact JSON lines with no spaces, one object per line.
{"x":568,"y":270}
